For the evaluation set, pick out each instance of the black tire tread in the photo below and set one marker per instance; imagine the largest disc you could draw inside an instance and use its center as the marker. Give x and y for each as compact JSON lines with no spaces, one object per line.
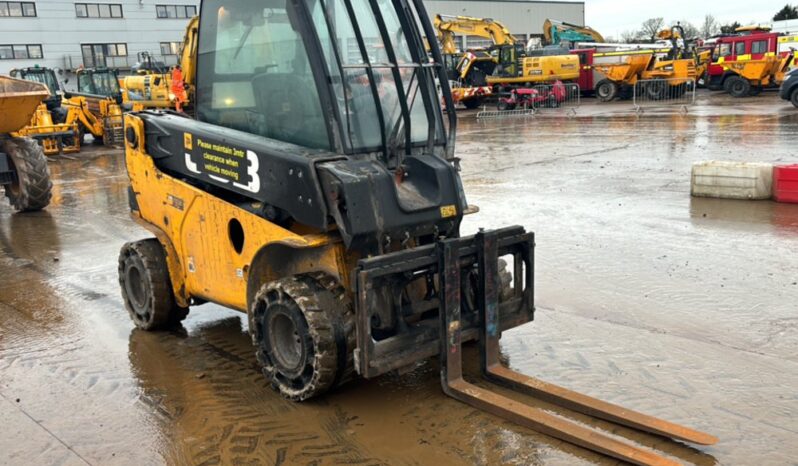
{"x":166,"y":313}
{"x":330,"y":318}
{"x":34,"y":187}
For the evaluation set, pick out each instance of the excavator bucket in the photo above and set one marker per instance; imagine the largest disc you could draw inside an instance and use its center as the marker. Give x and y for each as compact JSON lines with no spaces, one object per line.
{"x":455,"y":261}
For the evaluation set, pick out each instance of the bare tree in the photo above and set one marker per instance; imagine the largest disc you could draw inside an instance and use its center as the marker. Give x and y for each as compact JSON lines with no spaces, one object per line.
{"x":709,"y":27}
{"x":629,"y":37}
{"x":651,"y":27}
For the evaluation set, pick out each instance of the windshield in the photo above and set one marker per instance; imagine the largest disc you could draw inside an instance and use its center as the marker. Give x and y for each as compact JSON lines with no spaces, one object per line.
{"x":257,"y":73}
{"x":349,"y":62}
{"x":46,"y":77}
{"x":98,"y":83}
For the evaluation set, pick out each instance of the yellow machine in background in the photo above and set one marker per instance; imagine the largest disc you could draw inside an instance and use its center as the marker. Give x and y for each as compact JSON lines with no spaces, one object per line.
{"x":48,"y":124}
{"x":96,"y":107}
{"x":666,"y":72}
{"x":152,"y":87}
{"x":24,"y":175}
{"x":505,"y":64}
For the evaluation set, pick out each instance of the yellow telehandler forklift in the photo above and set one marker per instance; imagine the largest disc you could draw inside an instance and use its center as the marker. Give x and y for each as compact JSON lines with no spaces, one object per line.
{"x":97,"y":106}
{"x":24,"y":175}
{"x":48,"y":124}
{"x":316,"y":191}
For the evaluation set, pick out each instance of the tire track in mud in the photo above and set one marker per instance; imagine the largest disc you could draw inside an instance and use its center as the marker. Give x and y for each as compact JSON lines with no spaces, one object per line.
{"x":222,"y":412}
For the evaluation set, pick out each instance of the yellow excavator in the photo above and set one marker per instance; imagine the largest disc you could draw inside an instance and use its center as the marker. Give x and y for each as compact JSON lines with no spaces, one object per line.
{"x":151,"y":86}
{"x":328,"y":212}
{"x":561,"y":33}
{"x":49,"y":125}
{"x":504,"y":65}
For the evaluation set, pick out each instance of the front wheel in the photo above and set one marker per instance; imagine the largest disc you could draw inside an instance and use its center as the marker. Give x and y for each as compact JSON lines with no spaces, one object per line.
{"x":737,"y":86}
{"x":32,"y":189}
{"x":606,"y":90}
{"x":146,"y":286}
{"x":794,"y":97}
{"x":304,"y":333}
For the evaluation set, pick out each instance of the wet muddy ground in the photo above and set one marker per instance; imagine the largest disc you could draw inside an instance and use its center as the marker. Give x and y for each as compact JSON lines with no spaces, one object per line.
{"x":682,"y":308}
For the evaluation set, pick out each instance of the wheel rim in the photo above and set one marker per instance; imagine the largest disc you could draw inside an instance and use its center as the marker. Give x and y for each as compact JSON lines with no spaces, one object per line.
{"x":138,"y":292}
{"x":286,"y":343}
{"x":604,"y":91}
{"x":737,"y":87}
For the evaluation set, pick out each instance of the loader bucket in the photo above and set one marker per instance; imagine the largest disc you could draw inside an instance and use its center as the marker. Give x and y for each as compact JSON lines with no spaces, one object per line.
{"x":18,"y":101}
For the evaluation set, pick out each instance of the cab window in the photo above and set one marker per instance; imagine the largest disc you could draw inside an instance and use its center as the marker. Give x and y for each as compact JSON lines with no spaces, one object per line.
{"x":725,"y":50}
{"x":255,"y":72}
{"x":760,"y":46}
{"x":739,"y":48}
{"x":85,"y":84}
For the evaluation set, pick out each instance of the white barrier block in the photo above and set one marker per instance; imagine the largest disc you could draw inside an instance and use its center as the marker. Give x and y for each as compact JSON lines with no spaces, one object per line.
{"x":732,"y":180}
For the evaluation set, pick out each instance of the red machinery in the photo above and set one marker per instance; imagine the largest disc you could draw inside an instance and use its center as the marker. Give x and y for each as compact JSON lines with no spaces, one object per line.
{"x":534,"y":97}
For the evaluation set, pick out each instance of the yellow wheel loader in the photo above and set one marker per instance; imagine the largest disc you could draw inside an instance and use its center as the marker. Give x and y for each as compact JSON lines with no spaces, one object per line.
{"x":317,"y":192}
{"x":24,"y":175}
{"x":48,"y":124}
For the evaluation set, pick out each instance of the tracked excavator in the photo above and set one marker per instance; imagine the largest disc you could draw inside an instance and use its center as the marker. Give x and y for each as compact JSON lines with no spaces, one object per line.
{"x":561,"y":33}
{"x":504,"y":65}
{"x":151,"y":86}
{"x":317,"y":192}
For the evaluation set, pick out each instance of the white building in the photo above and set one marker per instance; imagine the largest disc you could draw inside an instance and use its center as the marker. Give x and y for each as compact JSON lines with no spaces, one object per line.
{"x":67,"y":35}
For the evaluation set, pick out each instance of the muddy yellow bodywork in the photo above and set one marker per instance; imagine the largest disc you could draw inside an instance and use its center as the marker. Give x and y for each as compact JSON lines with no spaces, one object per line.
{"x":19,"y":100}
{"x":626,"y":72}
{"x":217,"y":251}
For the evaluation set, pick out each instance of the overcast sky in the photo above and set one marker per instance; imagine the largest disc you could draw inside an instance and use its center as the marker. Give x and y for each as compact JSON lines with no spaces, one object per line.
{"x":612,"y":17}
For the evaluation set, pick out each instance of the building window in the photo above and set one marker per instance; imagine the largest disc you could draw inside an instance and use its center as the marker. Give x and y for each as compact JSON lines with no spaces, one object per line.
{"x":98,"y":10}
{"x":20,"y":52}
{"x":170,"y":48}
{"x":175,"y":11}
{"x":26,"y":9}
{"x":96,"y":55}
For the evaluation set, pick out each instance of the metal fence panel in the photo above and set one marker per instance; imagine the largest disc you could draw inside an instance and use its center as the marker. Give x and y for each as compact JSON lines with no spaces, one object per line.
{"x":662,"y":93}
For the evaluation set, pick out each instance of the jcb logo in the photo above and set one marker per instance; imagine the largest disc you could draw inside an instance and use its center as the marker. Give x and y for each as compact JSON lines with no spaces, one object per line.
{"x":187,"y":141}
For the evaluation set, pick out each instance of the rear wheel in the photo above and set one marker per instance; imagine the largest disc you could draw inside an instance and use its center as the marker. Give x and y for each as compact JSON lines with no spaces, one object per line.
{"x":737,"y":86}
{"x":304,"y":333}
{"x":146,"y":286}
{"x":606,"y":90}
{"x":503,"y":104}
{"x":32,"y":189}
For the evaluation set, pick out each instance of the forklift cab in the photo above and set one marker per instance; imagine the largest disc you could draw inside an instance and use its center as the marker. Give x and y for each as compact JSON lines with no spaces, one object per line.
{"x":44,"y":76}
{"x":99,"y":81}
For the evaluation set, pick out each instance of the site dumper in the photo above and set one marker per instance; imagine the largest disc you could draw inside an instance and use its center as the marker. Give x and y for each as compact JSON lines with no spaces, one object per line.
{"x":23,"y":166}
{"x":317,"y":191}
